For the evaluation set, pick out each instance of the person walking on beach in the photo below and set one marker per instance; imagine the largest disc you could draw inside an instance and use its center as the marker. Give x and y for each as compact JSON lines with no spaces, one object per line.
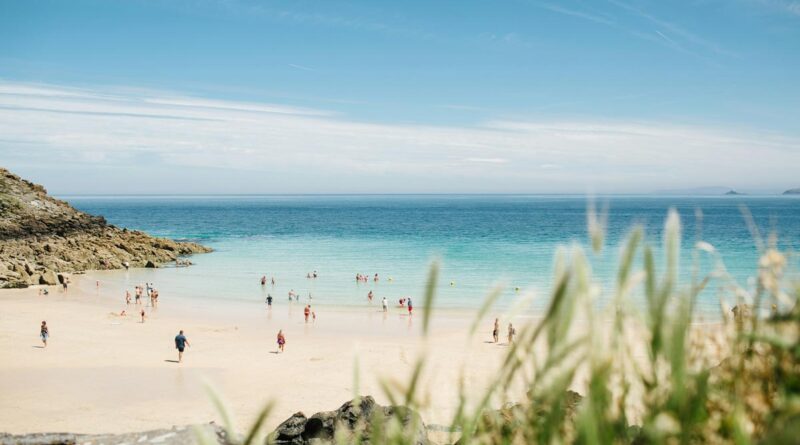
{"x":385,"y":304}
{"x":44,"y":333}
{"x":511,"y":333}
{"x":281,"y":340}
{"x":496,"y":331}
{"x":410,"y":305}
{"x":180,"y":344}
{"x":269,"y":300}
{"x":307,"y":312}
{"x":142,"y":314}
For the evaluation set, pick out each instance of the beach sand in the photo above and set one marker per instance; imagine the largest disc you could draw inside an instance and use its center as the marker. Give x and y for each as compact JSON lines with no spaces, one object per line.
{"x":105,"y":373}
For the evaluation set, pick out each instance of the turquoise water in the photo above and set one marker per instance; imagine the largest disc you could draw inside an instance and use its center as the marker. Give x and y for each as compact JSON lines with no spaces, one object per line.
{"x":480,"y":240}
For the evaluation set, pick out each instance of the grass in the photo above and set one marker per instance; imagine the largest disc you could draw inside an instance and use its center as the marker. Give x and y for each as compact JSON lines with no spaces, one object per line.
{"x":647,"y":376}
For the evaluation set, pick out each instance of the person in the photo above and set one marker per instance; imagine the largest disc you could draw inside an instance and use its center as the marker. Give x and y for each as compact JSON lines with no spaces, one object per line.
{"x":307,"y":312}
{"x":45,"y":291}
{"x":402,"y":302}
{"x":273,"y":280}
{"x":410,"y":305}
{"x":376,"y":278}
{"x":181,"y":342}
{"x":65,"y":284}
{"x":308,"y":274}
{"x":269,"y":300}
{"x":281,"y":340}
{"x":315,"y":274}
{"x":263,"y":280}
{"x":97,"y":284}
{"x":142,"y":314}
{"x":369,"y":296}
{"x":44,"y":333}
{"x":385,"y":304}
{"x":291,"y":294}
{"x":496,"y":331}
{"x":138,"y":293}
{"x":128,"y":265}
{"x":127,"y":297}
{"x":511,"y":332}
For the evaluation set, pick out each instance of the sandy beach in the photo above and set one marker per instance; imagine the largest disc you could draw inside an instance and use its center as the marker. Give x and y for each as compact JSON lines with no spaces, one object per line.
{"x":102,"y":372}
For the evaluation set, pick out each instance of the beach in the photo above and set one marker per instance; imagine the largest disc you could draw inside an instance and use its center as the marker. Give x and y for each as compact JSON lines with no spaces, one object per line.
{"x":102,"y":372}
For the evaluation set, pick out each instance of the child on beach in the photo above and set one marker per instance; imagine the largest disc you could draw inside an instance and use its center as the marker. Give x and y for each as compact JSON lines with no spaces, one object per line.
{"x":281,"y":340}
{"x":44,"y":333}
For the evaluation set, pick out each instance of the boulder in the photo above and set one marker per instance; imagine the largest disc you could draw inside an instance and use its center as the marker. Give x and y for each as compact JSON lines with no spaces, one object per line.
{"x":48,"y":277}
{"x":359,"y":418}
{"x":150,"y":264}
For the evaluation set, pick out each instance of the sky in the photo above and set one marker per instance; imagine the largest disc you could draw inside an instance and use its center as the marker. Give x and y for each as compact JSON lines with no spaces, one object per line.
{"x":467,"y":96}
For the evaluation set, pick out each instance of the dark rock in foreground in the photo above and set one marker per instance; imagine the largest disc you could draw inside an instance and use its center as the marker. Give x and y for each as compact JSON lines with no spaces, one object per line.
{"x":41,"y":238}
{"x":361,"y":418}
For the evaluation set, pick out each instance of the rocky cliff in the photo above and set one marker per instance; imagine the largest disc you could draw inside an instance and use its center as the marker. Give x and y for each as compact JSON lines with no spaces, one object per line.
{"x":42,"y":238}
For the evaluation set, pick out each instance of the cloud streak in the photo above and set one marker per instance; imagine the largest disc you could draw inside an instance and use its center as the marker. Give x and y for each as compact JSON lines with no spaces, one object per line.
{"x":274,"y":148}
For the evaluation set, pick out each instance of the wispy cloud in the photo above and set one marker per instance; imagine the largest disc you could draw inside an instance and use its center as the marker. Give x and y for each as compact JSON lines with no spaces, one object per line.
{"x":658,"y":36}
{"x":282,"y":149}
{"x":579,"y":14}
{"x":301,"y":67}
{"x":487,"y":160}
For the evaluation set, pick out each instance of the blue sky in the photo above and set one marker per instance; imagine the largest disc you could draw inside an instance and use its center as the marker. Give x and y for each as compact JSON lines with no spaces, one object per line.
{"x":466,"y":96}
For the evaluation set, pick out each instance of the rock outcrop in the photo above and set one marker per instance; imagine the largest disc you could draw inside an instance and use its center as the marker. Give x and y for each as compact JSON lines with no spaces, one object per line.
{"x":42,"y":238}
{"x":361,"y":418}
{"x":792,"y":191}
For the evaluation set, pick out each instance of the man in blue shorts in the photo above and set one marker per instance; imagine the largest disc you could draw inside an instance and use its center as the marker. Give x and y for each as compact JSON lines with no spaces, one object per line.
{"x":180,"y":343}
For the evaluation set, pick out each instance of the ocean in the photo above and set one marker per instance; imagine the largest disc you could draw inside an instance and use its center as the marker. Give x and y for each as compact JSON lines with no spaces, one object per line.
{"x":480,"y":242}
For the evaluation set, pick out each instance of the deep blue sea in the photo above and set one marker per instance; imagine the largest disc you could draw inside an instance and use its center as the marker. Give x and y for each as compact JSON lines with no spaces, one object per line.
{"x":479,"y":240}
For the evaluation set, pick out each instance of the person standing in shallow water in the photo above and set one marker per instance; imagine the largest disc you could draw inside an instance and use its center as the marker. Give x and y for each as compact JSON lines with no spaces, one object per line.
{"x":410,"y":305}
{"x":44,"y":333}
{"x":281,"y":340}
{"x":181,"y":342}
